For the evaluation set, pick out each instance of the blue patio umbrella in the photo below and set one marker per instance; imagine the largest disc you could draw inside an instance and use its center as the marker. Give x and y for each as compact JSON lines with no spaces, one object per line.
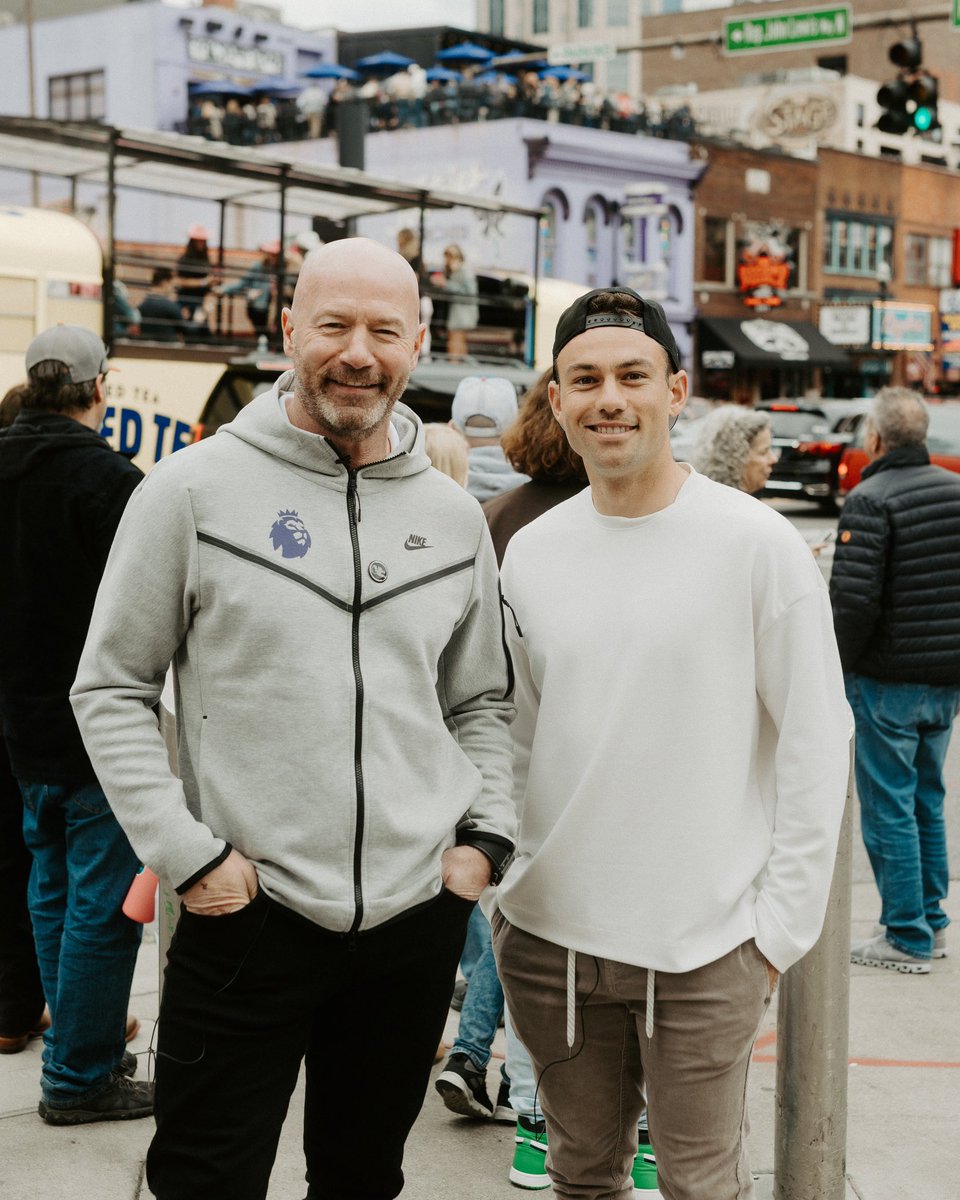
{"x":278,"y":87}
{"x":442,"y":75}
{"x":218,"y":87}
{"x":331,"y":70}
{"x":466,"y":53}
{"x":495,"y":76}
{"x":383,"y":64}
{"x":562,"y":72}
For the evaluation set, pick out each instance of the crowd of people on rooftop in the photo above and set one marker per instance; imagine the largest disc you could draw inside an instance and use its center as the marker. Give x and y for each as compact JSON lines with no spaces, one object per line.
{"x":410,"y":98}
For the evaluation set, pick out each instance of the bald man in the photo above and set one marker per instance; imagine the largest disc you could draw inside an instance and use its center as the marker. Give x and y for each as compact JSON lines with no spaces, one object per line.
{"x":330,"y":605}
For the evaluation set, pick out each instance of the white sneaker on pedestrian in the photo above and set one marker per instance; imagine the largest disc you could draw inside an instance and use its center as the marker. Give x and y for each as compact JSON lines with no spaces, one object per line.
{"x":939,"y":940}
{"x":878,"y":952}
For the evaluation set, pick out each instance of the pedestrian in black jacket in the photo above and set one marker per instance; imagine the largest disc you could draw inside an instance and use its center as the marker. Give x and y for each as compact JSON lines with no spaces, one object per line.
{"x":62,"y":492}
{"x":895,"y":589}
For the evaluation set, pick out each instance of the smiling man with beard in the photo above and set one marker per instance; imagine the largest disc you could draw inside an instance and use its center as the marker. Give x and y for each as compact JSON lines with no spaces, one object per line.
{"x":329,"y":602}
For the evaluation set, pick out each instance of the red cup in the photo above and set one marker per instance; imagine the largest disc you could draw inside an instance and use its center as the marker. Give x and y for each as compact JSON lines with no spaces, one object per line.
{"x":140,"y":902}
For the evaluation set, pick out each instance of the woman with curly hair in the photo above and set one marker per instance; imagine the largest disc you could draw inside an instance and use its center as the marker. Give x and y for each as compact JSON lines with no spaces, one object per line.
{"x":734,"y":447}
{"x":536,"y":446}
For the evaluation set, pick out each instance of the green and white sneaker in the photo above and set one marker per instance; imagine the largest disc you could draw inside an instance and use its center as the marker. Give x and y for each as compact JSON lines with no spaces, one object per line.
{"x":529,"y":1167}
{"x":645,"y":1174}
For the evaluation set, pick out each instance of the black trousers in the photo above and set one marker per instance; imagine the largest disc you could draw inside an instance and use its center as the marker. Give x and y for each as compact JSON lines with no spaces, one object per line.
{"x":246,"y":997}
{"x":21,"y":995}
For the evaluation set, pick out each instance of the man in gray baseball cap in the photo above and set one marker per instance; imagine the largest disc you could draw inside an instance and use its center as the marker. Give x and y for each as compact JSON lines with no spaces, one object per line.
{"x":62,"y":492}
{"x":80,"y":351}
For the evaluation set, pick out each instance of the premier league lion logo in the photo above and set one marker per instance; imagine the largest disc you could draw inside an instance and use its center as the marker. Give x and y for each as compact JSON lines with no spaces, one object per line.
{"x":289,"y":534}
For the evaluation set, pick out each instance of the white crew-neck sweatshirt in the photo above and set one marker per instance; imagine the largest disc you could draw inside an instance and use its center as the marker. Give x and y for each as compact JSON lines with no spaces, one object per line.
{"x":682,"y":737}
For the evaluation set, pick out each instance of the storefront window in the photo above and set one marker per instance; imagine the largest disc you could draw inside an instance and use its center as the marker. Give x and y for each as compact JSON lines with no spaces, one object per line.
{"x":716,"y":235}
{"x":548,"y":240}
{"x":80,"y":97}
{"x":940,"y":263}
{"x":915,"y":259}
{"x":856,"y":247}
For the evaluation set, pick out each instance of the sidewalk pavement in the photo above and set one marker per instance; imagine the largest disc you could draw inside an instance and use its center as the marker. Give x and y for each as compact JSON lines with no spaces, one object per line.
{"x":904,"y":1105}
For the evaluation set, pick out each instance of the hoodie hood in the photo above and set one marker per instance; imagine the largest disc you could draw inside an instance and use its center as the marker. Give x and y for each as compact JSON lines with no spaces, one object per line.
{"x":36,"y":435}
{"x":263,"y":423}
{"x":491,"y":474}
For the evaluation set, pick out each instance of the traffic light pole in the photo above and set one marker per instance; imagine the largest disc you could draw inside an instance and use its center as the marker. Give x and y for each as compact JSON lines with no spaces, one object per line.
{"x":810,"y":1136}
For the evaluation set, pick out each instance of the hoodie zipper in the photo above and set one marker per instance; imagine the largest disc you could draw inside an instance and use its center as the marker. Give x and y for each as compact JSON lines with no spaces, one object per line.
{"x":353,"y":517}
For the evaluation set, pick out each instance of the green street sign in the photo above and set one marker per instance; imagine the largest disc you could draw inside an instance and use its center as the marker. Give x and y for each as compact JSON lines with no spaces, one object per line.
{"x":788,"y":31}
{"x":955,"y":18}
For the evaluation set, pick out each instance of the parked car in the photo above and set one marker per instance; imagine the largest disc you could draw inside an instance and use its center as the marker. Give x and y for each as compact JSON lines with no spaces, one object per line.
{"x":943,"y":442}
{"x":810,"y":438}
{"x":429,"y":392}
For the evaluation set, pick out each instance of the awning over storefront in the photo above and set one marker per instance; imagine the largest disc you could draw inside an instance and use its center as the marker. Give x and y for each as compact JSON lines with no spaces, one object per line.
{"x":765,"y":342}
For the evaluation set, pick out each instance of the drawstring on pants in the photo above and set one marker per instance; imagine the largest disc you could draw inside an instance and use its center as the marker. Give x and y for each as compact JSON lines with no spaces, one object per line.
{"x":651,"y":976}
{"x":571,"y":998}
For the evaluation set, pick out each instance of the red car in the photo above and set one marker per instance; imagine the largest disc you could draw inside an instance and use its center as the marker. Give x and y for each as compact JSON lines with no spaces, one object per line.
{"x":943,"y":442}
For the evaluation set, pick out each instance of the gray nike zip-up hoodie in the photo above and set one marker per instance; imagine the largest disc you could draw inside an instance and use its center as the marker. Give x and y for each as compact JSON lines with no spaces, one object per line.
{"x":343,"y":691}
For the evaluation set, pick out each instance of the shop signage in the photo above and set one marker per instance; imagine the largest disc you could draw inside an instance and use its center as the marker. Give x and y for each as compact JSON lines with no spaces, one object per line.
{"x":575,"y":52}
{"x":777,"y":337}
{"x":210,"y":52}
{"x":846,"y":324}
{"x":787,"y":31}
{"x":902,"y":326}
{"x":798,"y":116}
{"x":950,"y":340}
{"x":717,"y":360}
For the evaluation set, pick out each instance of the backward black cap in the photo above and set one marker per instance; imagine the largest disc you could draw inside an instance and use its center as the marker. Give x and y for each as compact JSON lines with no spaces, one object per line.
{"x":651,"y":320}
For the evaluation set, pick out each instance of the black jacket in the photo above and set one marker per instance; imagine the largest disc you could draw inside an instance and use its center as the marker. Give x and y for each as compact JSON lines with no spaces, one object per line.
{"x":895,"y":585}
{"x":62,"y":493}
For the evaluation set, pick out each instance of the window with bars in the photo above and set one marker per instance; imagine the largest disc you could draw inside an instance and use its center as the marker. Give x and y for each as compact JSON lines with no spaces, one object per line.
{"x":80,"y":97}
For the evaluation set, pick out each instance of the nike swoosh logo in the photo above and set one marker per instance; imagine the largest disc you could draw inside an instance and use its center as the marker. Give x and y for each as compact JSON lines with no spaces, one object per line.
{"x":408,"y":545}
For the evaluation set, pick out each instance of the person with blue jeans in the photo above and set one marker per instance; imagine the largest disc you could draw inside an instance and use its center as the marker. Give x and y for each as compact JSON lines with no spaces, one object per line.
{"x":62,"y":492}
{"x":462,"y":1082}
{"x":895,"y":591}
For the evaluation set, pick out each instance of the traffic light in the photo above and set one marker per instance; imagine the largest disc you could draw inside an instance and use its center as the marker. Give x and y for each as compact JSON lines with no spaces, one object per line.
{"x":893,"y":98}
{"x":924,"y":93}
{"x":909,"y":102}
{"x":907,"y":55}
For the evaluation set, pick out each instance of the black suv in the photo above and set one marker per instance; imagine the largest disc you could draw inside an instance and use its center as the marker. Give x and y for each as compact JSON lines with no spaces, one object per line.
{"x":810,"y":437}
{"x":429,"y":392}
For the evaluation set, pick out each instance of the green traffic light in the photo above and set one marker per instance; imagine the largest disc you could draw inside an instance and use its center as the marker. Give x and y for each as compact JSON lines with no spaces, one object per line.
{"x":923,"y":119}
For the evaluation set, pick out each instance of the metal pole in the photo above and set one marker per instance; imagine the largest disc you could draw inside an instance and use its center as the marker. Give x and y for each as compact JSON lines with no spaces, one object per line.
{"x":276,"y":330}
{"x":531,"y":338}
{"x":32,"y":97}
{"x":222,"y":236}
{"x":810,"y":1137}
{"x":110,"y":249}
